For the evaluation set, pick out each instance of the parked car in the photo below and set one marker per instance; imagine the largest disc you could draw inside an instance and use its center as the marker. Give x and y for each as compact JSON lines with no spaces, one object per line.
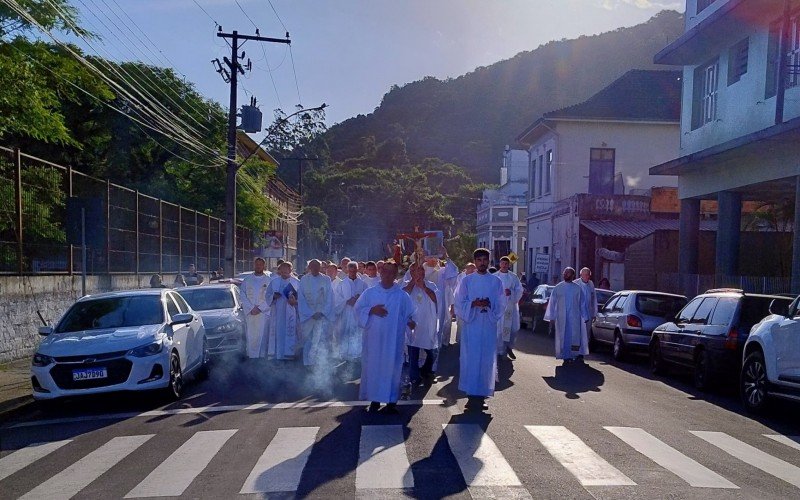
{"x":771,"y":358}
{"x":532,"y":311}
{"x":602,"y":297}
{"x":121,"y":341}
{"x":627,"y":320}
{"x":708,"y":336}
{"x":220,"y":307}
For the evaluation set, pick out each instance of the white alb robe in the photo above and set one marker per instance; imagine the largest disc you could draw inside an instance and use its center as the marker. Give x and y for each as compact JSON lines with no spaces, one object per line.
{"x":442,"y":277}
{"x":589,"y":298}
{"x":350,"y":333}
{"x":370,"y":281}
{"x":384,"y":342}
{"x":315,"y":296}
{"x":426,"y":318}
{"x":478,"y":363}
{"x":283,"y":324}
{"x":566,"y":309}
{"x":254,"y":294}
{"x":509,"y":323}
{"x":336,"y":322}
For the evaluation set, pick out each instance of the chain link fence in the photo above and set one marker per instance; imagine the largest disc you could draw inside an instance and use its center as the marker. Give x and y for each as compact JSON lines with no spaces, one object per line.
{"x":126,"y":231}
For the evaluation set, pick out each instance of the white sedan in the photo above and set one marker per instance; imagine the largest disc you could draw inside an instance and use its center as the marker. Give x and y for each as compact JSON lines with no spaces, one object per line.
{"x":121,"y":341}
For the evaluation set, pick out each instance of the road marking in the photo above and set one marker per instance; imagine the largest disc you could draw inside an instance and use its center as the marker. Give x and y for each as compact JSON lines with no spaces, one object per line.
{"x":791,"y":441}
{"x":281,"y":465}
{"x":671,"y":459}
{"x":24,"y":457}
{"x":79,"y":475}
{"x":753,"y":456}
{"x":586,"y":465}
{"x":479,"y":459}
{"x":177,"y":472}
{"x":219,"y":409}
{"x":382,"y":459}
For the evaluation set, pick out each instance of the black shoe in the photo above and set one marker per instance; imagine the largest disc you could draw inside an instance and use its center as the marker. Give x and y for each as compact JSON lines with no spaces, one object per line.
{"x":511,"y":354}
{"x":373,"y":407}
{"x":476,"y":404}
{"x":390,"y":409}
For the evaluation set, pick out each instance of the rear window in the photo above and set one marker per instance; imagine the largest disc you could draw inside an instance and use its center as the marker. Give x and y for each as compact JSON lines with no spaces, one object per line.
{"x":660,"y":306}
{"x":206,"y":299}
{"x":754,"y":309}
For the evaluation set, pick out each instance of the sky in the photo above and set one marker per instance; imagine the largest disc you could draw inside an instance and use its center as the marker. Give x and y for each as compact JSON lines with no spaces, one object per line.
{"x":346,"y":53}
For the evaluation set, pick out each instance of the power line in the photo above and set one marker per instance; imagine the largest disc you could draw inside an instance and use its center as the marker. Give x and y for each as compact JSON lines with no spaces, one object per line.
{"x":206,"y":13}
{"x":276,"y":15}
{"x":245,"y":14}
{"x":297,"y":85}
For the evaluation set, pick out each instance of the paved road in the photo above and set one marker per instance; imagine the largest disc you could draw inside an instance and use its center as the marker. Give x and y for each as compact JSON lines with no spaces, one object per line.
{"x":603,"y":430}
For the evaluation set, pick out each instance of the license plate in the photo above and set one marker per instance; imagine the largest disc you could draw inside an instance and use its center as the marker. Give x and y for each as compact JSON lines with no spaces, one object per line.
{"x":89,"y":374}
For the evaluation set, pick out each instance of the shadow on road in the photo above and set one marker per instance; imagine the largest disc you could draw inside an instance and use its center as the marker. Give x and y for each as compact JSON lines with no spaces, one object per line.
{"x":576,"y":378}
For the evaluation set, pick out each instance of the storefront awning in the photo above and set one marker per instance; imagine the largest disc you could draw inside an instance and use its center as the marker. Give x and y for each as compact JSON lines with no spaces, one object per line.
{"x":636,"y":230}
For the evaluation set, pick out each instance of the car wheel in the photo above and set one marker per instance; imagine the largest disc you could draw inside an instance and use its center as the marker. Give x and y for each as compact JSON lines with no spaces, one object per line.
{"x":702,"y":371}
{"x":175,"y":388}
{"x":618,"y":350}
{"x":657,"y":366}
{"x":205,"y":368}
{"x":753,"y":382}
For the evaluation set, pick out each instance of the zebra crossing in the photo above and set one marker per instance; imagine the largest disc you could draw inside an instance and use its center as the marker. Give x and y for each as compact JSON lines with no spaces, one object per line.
{"x":384,"y":467}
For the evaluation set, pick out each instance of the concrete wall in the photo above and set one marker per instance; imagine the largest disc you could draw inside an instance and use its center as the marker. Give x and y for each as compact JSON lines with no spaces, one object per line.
{"x":50,"y":295}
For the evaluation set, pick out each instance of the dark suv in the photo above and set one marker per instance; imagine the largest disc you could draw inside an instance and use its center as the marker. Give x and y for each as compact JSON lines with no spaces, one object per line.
{"x":707,"y":336}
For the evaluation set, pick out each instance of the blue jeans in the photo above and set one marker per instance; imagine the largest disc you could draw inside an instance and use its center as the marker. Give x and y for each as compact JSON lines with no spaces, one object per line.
{"x":414,"y":371}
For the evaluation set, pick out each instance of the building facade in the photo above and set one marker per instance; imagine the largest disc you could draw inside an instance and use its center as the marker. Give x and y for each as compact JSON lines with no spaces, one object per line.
{"x":602,"y":147}
{"x":740,"y":121}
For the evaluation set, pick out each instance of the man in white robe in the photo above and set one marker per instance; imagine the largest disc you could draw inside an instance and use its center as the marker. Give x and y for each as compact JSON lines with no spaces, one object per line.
{"x":468,"y":269}
{"x":370,"y":275}
{"x":442,"y":277}
{"x":315,"y":306}
{"x":565,"y":308}
{"x":509,"y":324}
{"x":348,"y":292}
{"x":332,"y":271}
{"x":255,"y":304}
{"x":283,"y":329}
{"x":589,"y":299}
{"x":423,"y":337}
{"x":480,"y":302}
{"x":384,"y":311}
{"x":343,"y":267}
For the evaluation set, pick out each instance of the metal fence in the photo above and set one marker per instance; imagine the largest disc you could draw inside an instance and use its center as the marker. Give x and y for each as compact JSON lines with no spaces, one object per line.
{"x":127,"y":231}
{"x":695,"y":284}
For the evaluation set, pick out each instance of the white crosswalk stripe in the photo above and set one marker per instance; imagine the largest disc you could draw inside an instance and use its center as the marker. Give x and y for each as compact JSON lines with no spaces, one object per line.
{"x":79,"y":475}
{"x":281,"y":465}
{"x":791,"y":441}
{"x":382,"y":459}
{"x":26,"y":456}
{"x":752,"y":455}
{"x":177,"y":472}
{"x":671,"y":459}
{"x":586,"y":465}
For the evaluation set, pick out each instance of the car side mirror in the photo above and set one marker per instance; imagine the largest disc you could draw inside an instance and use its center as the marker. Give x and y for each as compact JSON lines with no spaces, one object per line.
{"x":45,"y":330}
{"x":182,"y":319}
{"x":780,"y":308}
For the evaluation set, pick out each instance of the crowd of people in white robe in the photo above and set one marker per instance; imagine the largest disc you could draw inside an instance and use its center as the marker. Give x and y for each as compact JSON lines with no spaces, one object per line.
{"x":367,"y":312}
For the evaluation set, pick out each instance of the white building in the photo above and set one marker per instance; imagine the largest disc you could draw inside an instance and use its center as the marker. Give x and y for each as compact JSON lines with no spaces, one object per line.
{"x":501,"y":213}
{"x":740,"y":119}
{"x":603,"y":146}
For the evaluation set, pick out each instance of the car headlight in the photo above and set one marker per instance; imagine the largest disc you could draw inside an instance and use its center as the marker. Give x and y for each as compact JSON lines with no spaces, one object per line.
{"x":227,"y":327}
{"x":42,"y":360}
{"x":147,"y":350}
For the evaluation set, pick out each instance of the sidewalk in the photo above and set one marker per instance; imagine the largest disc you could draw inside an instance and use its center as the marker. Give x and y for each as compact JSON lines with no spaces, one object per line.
{"x":15,"y":385}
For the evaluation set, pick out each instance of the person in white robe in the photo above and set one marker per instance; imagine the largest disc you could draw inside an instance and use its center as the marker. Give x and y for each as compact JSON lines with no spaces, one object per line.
{"x":343,"y":267}
{"x":315,"y":306}
{"x":442,"y":277}
{"x":283,"y":330}
{"x":256,"y":306}
{"x":370,"y":275}
{"x":480,"y":302}
{"x":351,"y":333}
{"x":384,"y":312}
{"x":423,"y":337}
{"x":332,"y":271}
{"x":566,"y":310}
{"x":509,"y":324}
{"x":468,"y":269}
{"x":589,"y":298}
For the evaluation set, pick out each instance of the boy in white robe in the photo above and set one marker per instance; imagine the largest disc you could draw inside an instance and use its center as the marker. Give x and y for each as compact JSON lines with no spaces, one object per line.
{"x":348,"y":292}
{"x":315,"y":306}
{"x":370,"y":275}
{"x":384,"y":311}
{"x":480,"y":302}
{"x":283,"y":329}
{"x":256,"y":306}
{"x":423,"y":337}
{"x":566,"y":310}
{"x":509,"y":324}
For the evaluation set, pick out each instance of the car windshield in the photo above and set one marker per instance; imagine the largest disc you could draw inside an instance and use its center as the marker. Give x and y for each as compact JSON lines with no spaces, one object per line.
{"x":658,"y":305}
{"x":542,"y":292}
{"x":206,"y":299}
{"x":113,"y":312}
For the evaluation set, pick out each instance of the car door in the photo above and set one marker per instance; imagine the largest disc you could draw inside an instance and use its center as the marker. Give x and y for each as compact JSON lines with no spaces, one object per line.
{"x":670,"y":334}
{"x":695,"y":332}
{"x":617,"y":317}
{"x":195,"y":332}
{"x":180,"y":333}
{"x":601,"y":323}
{"x":786,"y":338}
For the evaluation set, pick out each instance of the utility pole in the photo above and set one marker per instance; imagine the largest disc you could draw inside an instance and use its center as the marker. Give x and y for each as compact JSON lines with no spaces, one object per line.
{"x":230,"y":75}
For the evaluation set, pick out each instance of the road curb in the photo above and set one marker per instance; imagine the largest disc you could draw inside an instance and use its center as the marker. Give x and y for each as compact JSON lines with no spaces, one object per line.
{"x":14,"y":407}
